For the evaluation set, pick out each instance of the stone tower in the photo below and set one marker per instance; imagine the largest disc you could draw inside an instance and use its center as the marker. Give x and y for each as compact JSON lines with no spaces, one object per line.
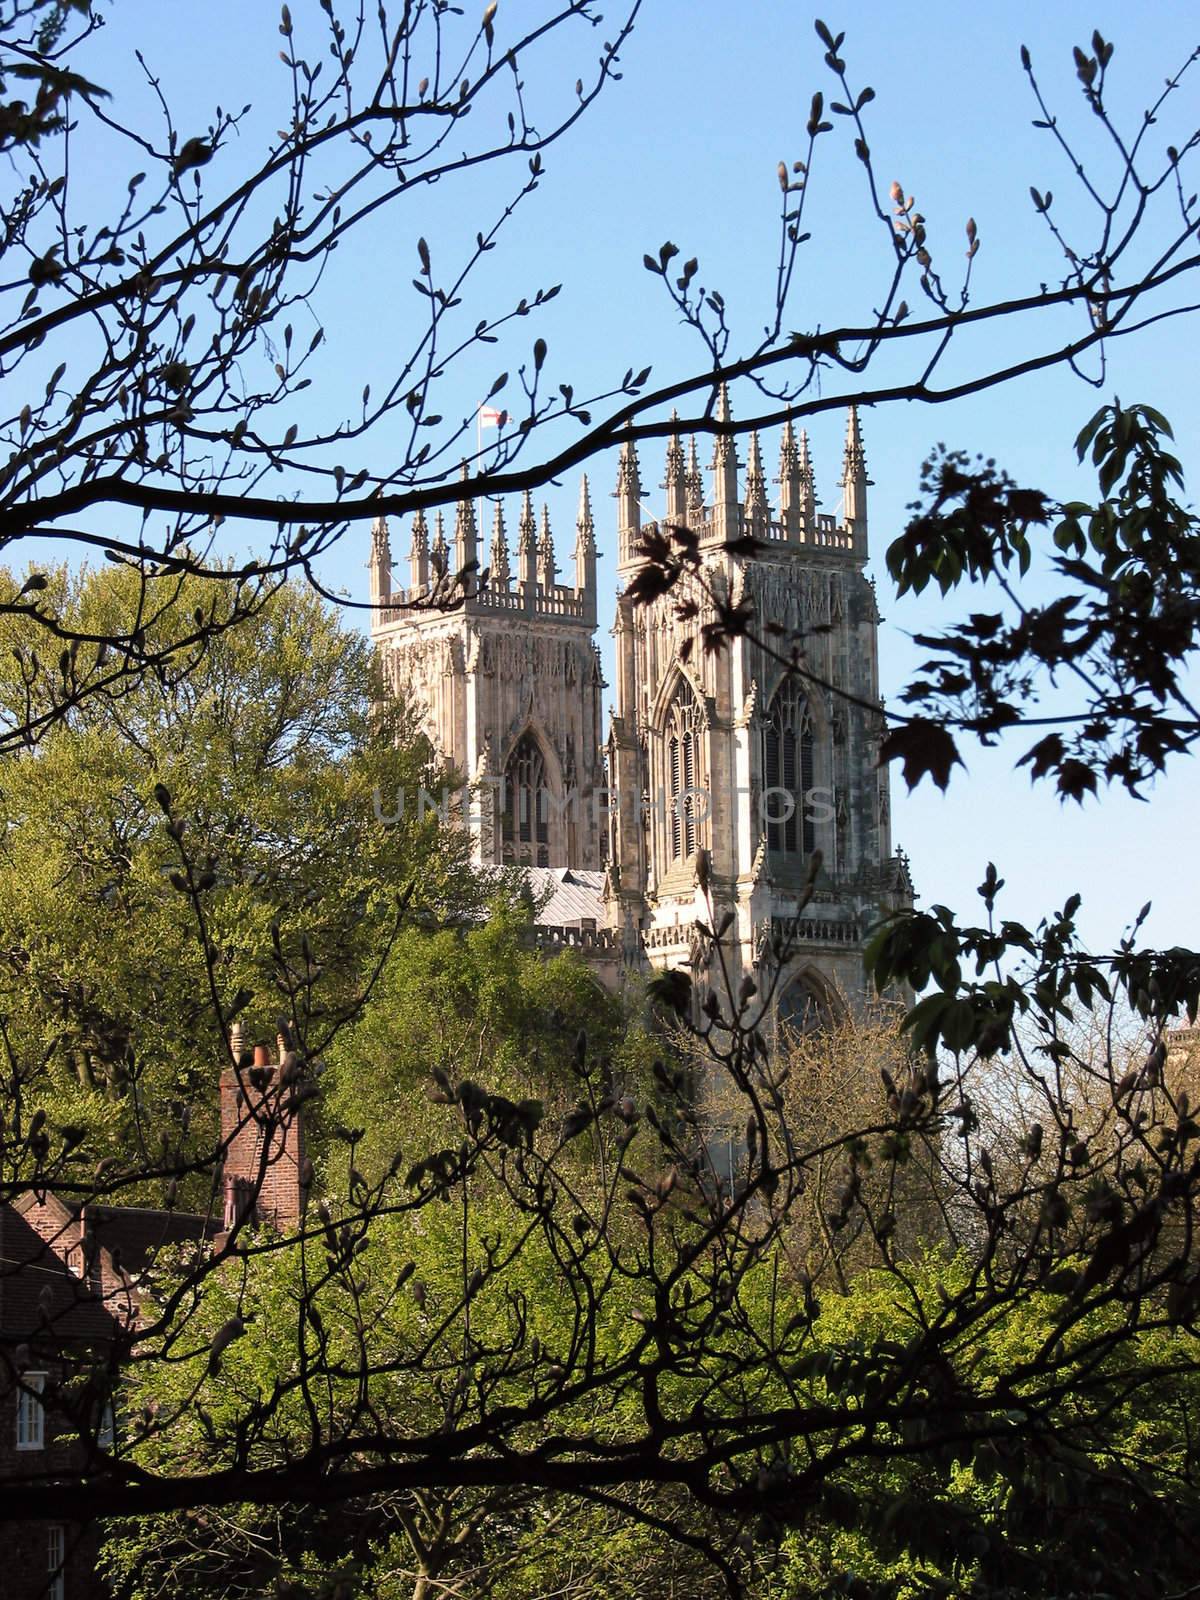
{"x":727,"y":753}
{"x":507,"y":683}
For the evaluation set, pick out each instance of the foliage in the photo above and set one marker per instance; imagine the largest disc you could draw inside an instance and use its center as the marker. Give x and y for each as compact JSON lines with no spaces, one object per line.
{"x":1116,"y":641}
{"x":477,"y":1003}
{"x":556,"y":1304}
{"x":1096,"y":1504}
{"x":272,"y":745}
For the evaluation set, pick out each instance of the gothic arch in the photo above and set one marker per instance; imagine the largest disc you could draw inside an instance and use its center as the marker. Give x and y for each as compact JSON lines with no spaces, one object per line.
{"x":680,"y":778}
{"x":794,"y":754}
{"x":807,"y":1004}
{"x":674,"y":680}
{"x":531,"y":801}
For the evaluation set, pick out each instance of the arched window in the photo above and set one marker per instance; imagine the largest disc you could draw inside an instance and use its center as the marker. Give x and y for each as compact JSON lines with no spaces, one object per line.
{"x":526,"y":821}
{"x":787,"y":767}
{"x":802,"y":1010}
{"x":685,"y":803}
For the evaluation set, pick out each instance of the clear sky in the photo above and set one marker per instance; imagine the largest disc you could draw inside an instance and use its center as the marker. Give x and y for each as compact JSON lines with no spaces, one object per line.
{"x":685,"y":147}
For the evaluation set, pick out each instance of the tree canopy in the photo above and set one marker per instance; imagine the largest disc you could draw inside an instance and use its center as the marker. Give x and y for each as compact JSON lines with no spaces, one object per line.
{"x":548,"y":1295}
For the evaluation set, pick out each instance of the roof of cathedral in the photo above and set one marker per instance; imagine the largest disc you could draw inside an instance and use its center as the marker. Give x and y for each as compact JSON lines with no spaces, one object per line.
{"x":576,"y":895}
{"x":571,"y":894}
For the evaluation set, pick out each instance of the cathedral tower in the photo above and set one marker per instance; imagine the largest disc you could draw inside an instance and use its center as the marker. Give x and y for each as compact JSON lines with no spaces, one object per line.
{"x":729,"y":753}
{"x":507,"y":683}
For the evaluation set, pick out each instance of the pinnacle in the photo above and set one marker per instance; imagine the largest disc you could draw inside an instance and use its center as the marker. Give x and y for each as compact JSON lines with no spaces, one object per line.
{"x":629,"y":480}
{"x":584,"y":519}
{"x":724,"y":448}
{"x":499,"y":550}
{"x":693,"y":478}
{"x":380,"y":544}
{"x":756,"y":484}
{"x":854,"y":443}
{"x":789,"y":459}
{"x":855,"y":458}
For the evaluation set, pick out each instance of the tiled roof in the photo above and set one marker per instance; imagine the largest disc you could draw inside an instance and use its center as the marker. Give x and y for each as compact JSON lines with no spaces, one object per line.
{"x":39,"y":1299}
{"x":134,"y":1233}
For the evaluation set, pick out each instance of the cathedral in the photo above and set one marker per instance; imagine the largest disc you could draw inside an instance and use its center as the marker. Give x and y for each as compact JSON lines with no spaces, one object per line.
{"x":716,"y":764}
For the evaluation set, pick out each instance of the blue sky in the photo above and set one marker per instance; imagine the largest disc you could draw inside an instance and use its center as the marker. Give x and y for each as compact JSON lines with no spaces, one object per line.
{"x":685,"y":147}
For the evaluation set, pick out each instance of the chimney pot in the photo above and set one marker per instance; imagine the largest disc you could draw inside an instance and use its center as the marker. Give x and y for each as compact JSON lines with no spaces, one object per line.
{"x":262,"y":1055}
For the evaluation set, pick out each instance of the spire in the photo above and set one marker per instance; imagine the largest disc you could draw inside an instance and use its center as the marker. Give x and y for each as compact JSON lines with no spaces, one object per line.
{"x":693,"y":482}
{"x":585,"y":550}
{"x":500,"y":572}
{"x":855,"y":481}
{"x":547,"y":571}
{"x":585,"y":525}
{"x":674,"y":482}
{"x":629,"y":509}
{"x":527,"y":544}
{"x":466,"y":533}
{"x":629,"y":472}
{"x":791,"y":512}
{"x":419,"y":552}
{"x":725,"y":473}
{"x":440,"y":552}
{"x":757,"y":510}
{"x":808,"y":484}
{"x":379,"y":565}
{"x":856,"y":456}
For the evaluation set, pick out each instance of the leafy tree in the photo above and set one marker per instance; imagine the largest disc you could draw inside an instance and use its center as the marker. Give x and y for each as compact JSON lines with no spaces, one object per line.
{"x":635,"y":1341}
{"x":1103,"y":662}
{"x":274,"y":744}
{"x":475,"y":1003}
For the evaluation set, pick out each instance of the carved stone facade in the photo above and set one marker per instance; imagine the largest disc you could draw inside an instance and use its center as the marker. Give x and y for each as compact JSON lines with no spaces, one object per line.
{"x":719,"y":764}
{"x":507,"y":683}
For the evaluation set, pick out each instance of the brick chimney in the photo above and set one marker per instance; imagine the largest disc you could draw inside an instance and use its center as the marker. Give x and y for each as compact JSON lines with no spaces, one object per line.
{"x":262,"y":1131}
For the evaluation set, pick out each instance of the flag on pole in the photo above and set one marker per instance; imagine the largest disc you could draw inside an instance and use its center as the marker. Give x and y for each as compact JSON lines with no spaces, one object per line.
{"x":489,"y":417}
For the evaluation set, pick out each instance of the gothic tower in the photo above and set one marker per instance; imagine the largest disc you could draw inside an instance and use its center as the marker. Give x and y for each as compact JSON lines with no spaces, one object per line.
{"x":506,"y":683}
{"x":728,"y":753}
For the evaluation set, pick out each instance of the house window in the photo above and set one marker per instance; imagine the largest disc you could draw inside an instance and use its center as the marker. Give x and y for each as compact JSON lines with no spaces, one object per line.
{"x":685,"y":803}
{"x":106,"y":1427}
{"x":56,"y":1559}
{"x":526,"y":829}
{"x":787,"y":768}
{"x":31,"y":1415}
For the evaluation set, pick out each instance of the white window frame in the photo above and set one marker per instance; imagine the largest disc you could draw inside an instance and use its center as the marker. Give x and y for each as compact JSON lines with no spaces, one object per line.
{"x":31,"y":1411}
{"x":56,"y":1561}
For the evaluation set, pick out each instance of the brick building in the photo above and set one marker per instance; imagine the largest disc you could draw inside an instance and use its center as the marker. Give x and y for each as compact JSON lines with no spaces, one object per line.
{"x":71,"y":1284}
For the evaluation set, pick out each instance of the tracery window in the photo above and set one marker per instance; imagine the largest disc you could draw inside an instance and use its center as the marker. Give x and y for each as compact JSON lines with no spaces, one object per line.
{"x":787,"y":767}
{"x":685,"y":801}
{"x":526,"y":821}
{"x":802,"y":1009}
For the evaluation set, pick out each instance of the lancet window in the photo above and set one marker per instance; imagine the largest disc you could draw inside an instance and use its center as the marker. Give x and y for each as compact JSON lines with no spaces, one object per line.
{"x":787,"y":768}
{"x":526,"y":829}
{"x":686,"y":802}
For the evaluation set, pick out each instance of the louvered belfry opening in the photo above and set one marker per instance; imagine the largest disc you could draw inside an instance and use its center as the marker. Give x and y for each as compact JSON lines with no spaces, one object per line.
{"x":788,"y":771}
